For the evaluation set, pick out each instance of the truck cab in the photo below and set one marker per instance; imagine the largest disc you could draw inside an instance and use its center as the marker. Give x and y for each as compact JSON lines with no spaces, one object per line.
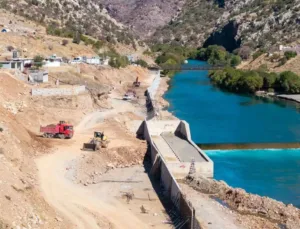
{"x":66,"y":129}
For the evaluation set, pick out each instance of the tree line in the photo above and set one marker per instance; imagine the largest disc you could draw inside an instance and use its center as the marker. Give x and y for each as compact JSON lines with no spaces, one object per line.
{"x":250,"y":81}
{"x":170,"y":55}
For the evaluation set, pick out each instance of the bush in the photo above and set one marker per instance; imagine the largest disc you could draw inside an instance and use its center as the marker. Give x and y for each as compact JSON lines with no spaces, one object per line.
{"x":258,"y":54}
{"x":142,"y":63}
{"x":244,"y":52}
{"x":1,"y":129}
{"x":10,"y":48}
{"x":119,"y":62}
{"x":290,"y":54}
{"x":65,"y":42}
{"x":38,"y":61}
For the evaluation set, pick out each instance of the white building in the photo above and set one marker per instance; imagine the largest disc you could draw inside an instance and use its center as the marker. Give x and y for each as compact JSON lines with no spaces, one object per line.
{"x":92,"y":60}
{"x":12,"y":64}
{"x":53,"y":61}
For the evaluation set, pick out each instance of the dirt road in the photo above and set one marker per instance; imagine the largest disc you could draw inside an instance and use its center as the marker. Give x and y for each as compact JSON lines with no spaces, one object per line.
{"x":77,"y":203}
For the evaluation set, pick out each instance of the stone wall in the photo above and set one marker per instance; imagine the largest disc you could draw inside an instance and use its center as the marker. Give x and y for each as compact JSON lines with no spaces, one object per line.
{"x":75,"y":90}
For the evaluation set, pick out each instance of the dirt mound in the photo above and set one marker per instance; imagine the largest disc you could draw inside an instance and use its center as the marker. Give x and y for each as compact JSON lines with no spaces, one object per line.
{"x":245,"y":203}
{"x":92,"y":165}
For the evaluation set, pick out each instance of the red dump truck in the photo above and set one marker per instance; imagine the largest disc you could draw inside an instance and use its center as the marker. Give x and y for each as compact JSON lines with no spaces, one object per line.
{"x":61,"y":130}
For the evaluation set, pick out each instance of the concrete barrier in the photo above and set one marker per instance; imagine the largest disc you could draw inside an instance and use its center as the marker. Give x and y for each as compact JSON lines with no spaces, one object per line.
{"x":150,"y":94}
{"x":75,"y":90}
{"x":168,"y":172}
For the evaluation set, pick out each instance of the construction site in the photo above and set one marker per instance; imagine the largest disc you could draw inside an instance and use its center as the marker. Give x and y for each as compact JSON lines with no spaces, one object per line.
{"x":93,"y":148}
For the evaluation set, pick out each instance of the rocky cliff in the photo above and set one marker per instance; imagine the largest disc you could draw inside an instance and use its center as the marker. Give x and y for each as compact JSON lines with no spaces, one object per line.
{"x":256,"y":23}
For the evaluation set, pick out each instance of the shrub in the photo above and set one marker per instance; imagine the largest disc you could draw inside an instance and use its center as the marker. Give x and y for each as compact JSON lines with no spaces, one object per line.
{"x":65,"y":42}
{"x":119,"y":62}
{"x":38,"y":61}
{"x":290,"y":54}
{"x":244,"y":52}
{"x":10,"y":48}
{"x":142,"y":63}
{"x":76,"y":38}
{"x":258,"y":54}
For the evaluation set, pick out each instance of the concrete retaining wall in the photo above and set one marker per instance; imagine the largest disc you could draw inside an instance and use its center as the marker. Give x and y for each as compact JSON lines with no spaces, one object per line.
{"x":165,"y":172}
{"x":150,"y":94}
{"x":76,"y":90}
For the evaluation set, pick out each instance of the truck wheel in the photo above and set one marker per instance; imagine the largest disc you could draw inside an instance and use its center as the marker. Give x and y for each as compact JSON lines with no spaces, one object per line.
{"x":61,"y":136}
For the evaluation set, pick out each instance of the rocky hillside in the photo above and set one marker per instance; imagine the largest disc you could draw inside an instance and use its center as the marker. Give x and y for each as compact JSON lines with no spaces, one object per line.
{"x":86,"y":16}
{"x":143,"y":16}
{"x":232,"y":22}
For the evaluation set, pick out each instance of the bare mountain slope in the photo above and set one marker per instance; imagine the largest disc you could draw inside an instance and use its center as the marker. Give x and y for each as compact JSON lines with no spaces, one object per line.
{"x":86,"y":16}
{"x":143,"y":16}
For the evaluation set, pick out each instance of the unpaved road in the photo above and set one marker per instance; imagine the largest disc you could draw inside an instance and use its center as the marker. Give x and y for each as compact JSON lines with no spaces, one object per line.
{"x":75,"y":202}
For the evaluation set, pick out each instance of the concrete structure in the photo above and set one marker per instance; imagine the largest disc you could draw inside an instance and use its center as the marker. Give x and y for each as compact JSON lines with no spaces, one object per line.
{"x":105,"y":61}
{"x":172,"y":152}
{"x":74,"y":90}
{"x":12,"y":64}
{"x":295,"y":48}
{"x":295,"y":97}
{"x":53,"y":61}
{"x":151,"y":93}
{"x":173,"y":141}
{"x":92,"y":60}
{"x":36,"y":76}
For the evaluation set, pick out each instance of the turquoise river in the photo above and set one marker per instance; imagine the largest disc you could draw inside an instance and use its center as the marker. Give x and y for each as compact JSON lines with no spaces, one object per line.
{"x":216,"y":116}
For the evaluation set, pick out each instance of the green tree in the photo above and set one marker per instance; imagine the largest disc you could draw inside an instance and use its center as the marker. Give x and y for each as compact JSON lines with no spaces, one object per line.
{"x":38,"y":61}
{"x":250,"y":82}
{"x":289,"y":82}
{"x":269,"y":79}
{"x":235,"y":60}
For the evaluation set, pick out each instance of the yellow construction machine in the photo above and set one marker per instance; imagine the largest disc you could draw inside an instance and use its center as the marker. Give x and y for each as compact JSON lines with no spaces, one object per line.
{"x":97,"y":142}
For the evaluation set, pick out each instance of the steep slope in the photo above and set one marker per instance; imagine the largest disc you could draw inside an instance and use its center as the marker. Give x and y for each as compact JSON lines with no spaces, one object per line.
{"x":143,"y":16}
{"x":257,"y":23}
{"x":86,"y":16}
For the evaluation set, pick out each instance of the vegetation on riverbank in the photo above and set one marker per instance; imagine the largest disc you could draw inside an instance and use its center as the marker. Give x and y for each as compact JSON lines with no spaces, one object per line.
{"x":217,"y":55}
{"x":170,"y":55}
{"x":250,"y":81}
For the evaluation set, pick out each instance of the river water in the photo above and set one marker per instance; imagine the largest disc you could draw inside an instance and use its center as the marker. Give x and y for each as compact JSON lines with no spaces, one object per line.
{"x":216,"y":116}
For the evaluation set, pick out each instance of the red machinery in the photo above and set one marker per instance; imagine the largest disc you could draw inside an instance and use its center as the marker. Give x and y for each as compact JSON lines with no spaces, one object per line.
{"x":61,"y":130}
{"x":136,"y":83}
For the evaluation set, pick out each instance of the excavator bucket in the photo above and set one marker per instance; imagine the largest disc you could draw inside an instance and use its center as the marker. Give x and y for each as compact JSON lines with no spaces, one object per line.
{"x":89,"y":146}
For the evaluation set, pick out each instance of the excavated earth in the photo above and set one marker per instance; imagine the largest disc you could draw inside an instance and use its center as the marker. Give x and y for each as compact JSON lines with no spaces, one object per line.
{"x":248,"y":204}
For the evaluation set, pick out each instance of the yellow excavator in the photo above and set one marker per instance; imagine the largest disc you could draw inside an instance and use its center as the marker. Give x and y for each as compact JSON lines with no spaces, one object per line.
{"x":97,"y":142}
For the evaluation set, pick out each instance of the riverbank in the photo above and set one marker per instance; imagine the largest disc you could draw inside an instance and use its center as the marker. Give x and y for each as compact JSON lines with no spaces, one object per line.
{"x":195,"y":100}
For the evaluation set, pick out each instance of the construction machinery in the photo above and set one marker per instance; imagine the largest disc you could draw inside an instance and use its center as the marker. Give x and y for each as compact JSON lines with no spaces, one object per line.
{"x":97,"y":142}
{"x":61,"y":130}
{"x":136,"y":83}
{"x":129,"y":95}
